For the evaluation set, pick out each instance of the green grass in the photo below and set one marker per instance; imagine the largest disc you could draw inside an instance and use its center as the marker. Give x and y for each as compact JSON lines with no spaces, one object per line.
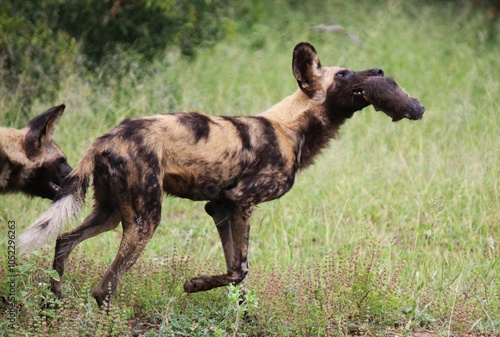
{"x":394,"y":229}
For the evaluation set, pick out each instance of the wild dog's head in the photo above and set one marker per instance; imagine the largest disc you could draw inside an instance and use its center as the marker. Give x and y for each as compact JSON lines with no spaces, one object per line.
{"x":50,"y":165}
{"x":343,"y":91}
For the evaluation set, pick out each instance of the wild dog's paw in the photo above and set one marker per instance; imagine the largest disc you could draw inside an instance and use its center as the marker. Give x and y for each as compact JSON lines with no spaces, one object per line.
{"x":202,"y":283}
{"x":387,"y":96}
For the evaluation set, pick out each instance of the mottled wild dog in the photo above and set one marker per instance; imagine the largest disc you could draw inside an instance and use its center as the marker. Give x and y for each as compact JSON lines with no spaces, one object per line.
{"x":30,"y":161}
{"x":233,"y":163}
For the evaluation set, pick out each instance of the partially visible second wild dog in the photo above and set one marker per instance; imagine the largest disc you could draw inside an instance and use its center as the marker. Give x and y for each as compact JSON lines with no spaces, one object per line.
{"x":30,"y":161}
{"x":234,"y":163}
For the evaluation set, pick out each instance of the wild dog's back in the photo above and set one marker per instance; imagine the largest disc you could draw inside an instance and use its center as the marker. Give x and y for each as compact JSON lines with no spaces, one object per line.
{"x":198,"y":156}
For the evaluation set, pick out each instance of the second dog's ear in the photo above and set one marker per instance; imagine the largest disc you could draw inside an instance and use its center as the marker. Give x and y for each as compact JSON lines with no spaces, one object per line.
{"x":41,"y":128}
{"x":306,"y":66}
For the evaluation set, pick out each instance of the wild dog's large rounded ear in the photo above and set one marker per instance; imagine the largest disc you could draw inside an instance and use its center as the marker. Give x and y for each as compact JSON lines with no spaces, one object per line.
{"x":41,"y":128}
{"x":306,"y":65}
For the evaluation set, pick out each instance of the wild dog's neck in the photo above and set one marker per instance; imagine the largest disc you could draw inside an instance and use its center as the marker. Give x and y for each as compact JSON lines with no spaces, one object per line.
{"x":307,"y":124}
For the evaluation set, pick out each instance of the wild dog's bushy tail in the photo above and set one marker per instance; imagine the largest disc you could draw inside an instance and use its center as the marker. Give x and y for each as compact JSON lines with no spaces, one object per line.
{"x":65,"y":207}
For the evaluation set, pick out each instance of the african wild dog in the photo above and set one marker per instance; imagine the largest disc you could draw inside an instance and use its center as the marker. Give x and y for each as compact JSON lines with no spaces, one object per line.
{"x":30,"y":161}
{"x":234,"y":163}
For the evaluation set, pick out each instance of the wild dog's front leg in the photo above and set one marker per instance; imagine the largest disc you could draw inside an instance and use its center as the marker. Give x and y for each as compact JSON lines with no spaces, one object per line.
{"x":233,"y":225}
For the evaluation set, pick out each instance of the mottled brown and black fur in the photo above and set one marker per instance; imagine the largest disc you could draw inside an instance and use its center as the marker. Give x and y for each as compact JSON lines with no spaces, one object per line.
{"x":30,"y":161}
{"x":232,"y":163}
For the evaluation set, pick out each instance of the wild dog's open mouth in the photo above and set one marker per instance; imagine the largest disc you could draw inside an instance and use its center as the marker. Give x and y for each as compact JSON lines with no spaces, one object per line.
{"x":386,"y":95}
{"x":358,"y":92}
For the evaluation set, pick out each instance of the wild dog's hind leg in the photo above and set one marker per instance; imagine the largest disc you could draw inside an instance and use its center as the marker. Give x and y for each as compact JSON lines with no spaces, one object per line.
{"x":140,"y":211}
{"x":137,"y":194}
{"x":104,"y":217}
{"x":101,"y":219}
{"x":233,"y":224}
{"x":135,"y":238}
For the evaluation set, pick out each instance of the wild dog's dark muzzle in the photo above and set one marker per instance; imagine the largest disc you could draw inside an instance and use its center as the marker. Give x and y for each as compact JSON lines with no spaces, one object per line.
{"x":359,"y":90}
{"x":371,"y":72}
{"x":378,"y":72}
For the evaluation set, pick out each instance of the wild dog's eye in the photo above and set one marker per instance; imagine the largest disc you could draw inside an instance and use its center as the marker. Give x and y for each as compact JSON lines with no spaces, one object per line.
{"x":61,"y":161}
{"x":342,"y":73}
